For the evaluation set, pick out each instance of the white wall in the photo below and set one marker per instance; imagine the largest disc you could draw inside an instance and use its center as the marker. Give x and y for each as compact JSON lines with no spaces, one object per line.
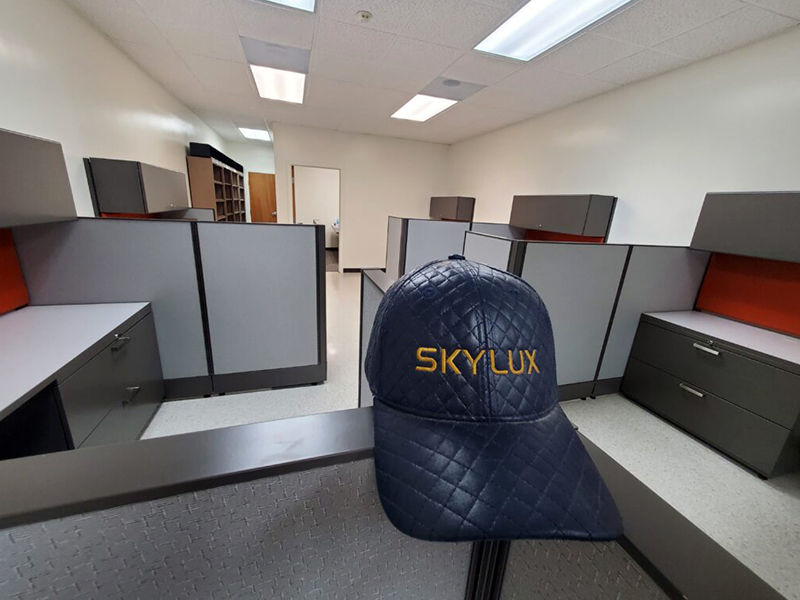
{"x":258,"y":157}
{"x":61,"y":79}
{"x":380,"y":177}
{"x":730,"y":123}
{"x":316,"y":194}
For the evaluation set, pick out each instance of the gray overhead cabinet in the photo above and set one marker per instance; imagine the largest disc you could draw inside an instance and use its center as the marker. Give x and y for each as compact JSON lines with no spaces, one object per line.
{"x":586,"y":215}
{"x":452,"y":208}
{"x":130,"y":187}
{"x":34,"y":186}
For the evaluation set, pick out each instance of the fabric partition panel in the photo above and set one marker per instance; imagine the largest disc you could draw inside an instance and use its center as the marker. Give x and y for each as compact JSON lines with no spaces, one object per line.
{"x":261,"y":293}
{"x":657,"y":279}
{"x":499,"y":229}
{"x":432,"y":240}
{"x":395,"y":243}
{"x":486,"y":249}
{"x":91,"y":261}
{"x":371,"y":296}
{"x":578,"y":283}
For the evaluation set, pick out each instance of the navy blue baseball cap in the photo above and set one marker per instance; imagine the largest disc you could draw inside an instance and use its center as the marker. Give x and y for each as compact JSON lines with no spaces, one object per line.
{"x":470,"y":441}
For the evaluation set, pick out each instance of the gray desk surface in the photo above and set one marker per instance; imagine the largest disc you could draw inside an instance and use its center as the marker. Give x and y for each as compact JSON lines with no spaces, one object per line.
{"x":36,"y":342}
{"x":760,"y":340}
{"x":757,"y":521}
{"x":380,"y":278}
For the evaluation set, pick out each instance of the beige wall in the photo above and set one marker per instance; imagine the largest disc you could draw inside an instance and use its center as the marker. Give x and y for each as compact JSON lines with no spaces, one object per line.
{"x":730,"y":123}
{"x":380,"y":177}
{"x":64,"y":80}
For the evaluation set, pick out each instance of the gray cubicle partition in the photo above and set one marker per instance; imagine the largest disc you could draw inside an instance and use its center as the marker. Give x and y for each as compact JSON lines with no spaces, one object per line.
{"x":92,"y":261}
{"x":396,"y":246}
{"x":657,"y":278}
{"x":500,"y":229}
{"x":371,"y":296}
{"x":236,"y":306}
{"x":488,"y":249}
{"x":265,"y":303}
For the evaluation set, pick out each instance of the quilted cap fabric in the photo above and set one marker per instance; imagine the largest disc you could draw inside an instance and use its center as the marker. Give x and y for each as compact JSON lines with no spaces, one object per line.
{"x":470,"y":442}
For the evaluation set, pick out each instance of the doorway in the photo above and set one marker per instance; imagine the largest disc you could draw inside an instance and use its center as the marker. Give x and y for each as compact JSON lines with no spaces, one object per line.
{"x":315,"y":195}
{"x":263,"y":200}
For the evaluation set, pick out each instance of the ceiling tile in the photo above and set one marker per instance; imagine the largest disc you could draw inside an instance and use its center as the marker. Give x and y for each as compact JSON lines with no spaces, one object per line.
{"x":129,"y":26}
{"x":352,"y":97}
{"x":479,"y":68}
{"x":301,"y":114}
{"x":465,"y":115}
{"x":221,"y":76}
{"x":273,"y":24}
{"x":495,"y":97}
{"x":509,"y":5}
{"x":350,"y":41}
{"x":351,"y":70}
{"x":586,"y":54}
{"x":456,"y":23}
{"x":387,"y":15}
{"x":397,"y":78}
{"x":731,"y":31}
{"x":639,"y":66}
{"x":649,"y":22}
{"x":223,"y":44}
{"x":231,"y":104}
{"x":419,"y":56}
{"x":165,"y":65}
{"x":207,"y":14}
{"x":88,"y":7}
{"x":788,"y":8}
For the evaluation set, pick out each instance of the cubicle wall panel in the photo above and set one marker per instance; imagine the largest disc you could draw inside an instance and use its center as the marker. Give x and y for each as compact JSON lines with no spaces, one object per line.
{"x":492,"y":251}
{"x":316,"y":534}
{"x":432,"y":240}
{"x":371,"y":296}
{"x":261,"y":293}
{"x":578,"y":283}
{"x":92,"y":261}
{"x":570,"y":569}
{"x":657,"y":279}
{"x":395,"y":243}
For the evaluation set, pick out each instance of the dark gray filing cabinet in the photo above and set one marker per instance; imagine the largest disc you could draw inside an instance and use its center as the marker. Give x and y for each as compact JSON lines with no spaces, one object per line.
{"x":452,"y":208}
{"x":740,"y":401}
{"x":585,"y":215}
{"x":759,"y":224}
{"x":34,"y":186}
{"x":114,"y":395}
{"x":125,"y":186}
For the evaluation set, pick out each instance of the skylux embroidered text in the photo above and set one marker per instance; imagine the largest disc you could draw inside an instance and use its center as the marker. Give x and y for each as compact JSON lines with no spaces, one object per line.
{"x":431,"y":360}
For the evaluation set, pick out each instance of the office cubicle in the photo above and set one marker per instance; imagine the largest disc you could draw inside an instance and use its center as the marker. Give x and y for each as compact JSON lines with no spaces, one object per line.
{"x":595,"y":294}
{"x":225,"y":321}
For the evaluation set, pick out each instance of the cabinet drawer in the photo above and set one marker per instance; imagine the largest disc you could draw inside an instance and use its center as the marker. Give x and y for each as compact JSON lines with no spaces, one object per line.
{"x":125,"y":375}
{"x":754,"y":441}
{"x":760,"y":388}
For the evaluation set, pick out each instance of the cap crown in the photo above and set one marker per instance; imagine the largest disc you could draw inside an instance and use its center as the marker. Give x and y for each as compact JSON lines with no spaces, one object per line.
{"x":463,"y":341}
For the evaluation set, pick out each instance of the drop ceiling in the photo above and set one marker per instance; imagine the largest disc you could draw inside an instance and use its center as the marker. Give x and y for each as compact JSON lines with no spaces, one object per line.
{"x":361,"y":73}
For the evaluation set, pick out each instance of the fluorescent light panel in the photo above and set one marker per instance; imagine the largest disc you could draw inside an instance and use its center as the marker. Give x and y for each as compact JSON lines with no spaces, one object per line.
{"x":542,"y":24}
{"x":422,"y":108}
{"x":276,"y":84}
{"x":256,"y":134}
{"x":307,"y":5}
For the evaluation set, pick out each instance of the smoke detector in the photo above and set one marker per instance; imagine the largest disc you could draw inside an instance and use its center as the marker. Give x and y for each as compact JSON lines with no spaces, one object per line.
{"x":364,"y":16}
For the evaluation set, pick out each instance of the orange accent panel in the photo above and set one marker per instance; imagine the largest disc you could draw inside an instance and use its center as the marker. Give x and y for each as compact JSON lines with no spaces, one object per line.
{"x":754,"y":290}
{"x":536,"y":235}
{"x":126,"y":216}
{"x":13,"y":291}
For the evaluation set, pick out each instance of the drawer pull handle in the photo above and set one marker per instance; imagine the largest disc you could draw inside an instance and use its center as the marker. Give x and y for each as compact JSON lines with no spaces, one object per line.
{"x":132,"y":391}
{"x":691,"y":390}
{"x":706,"y":349}
{"x":120,"y":341}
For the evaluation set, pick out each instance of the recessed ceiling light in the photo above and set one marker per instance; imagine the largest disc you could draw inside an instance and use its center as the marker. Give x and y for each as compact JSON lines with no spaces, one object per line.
{"x":307,"y":5}
{"x":276,"y":84}
{"x":422,"y":108}
{"x":256,"y":134}
{"x":541,"y":24}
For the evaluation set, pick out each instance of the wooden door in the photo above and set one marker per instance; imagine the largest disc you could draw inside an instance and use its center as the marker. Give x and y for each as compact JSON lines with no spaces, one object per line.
{"x":263,"y":203}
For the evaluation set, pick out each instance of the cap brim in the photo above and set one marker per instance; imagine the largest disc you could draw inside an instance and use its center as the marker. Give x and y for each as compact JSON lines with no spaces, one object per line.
{"x":460,"y":481}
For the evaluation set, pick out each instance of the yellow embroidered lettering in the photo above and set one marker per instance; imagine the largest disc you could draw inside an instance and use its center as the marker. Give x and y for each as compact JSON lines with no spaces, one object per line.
{"x":474,"y":361}
{"x":532,"y":358}
{"x":429,"y":360}
{"x":511,"y":363}
{"x":447,"y":361}
{"x":495,"y":370}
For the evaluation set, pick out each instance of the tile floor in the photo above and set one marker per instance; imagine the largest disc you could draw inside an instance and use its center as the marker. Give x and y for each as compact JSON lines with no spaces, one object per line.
{"x":339,"y":392}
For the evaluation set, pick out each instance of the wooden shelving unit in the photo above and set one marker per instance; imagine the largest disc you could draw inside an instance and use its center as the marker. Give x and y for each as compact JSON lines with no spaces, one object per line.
{"x":217,"y":182}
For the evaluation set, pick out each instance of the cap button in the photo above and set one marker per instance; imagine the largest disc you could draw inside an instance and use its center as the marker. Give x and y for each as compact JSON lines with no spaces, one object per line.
{"x":456,"y":257}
